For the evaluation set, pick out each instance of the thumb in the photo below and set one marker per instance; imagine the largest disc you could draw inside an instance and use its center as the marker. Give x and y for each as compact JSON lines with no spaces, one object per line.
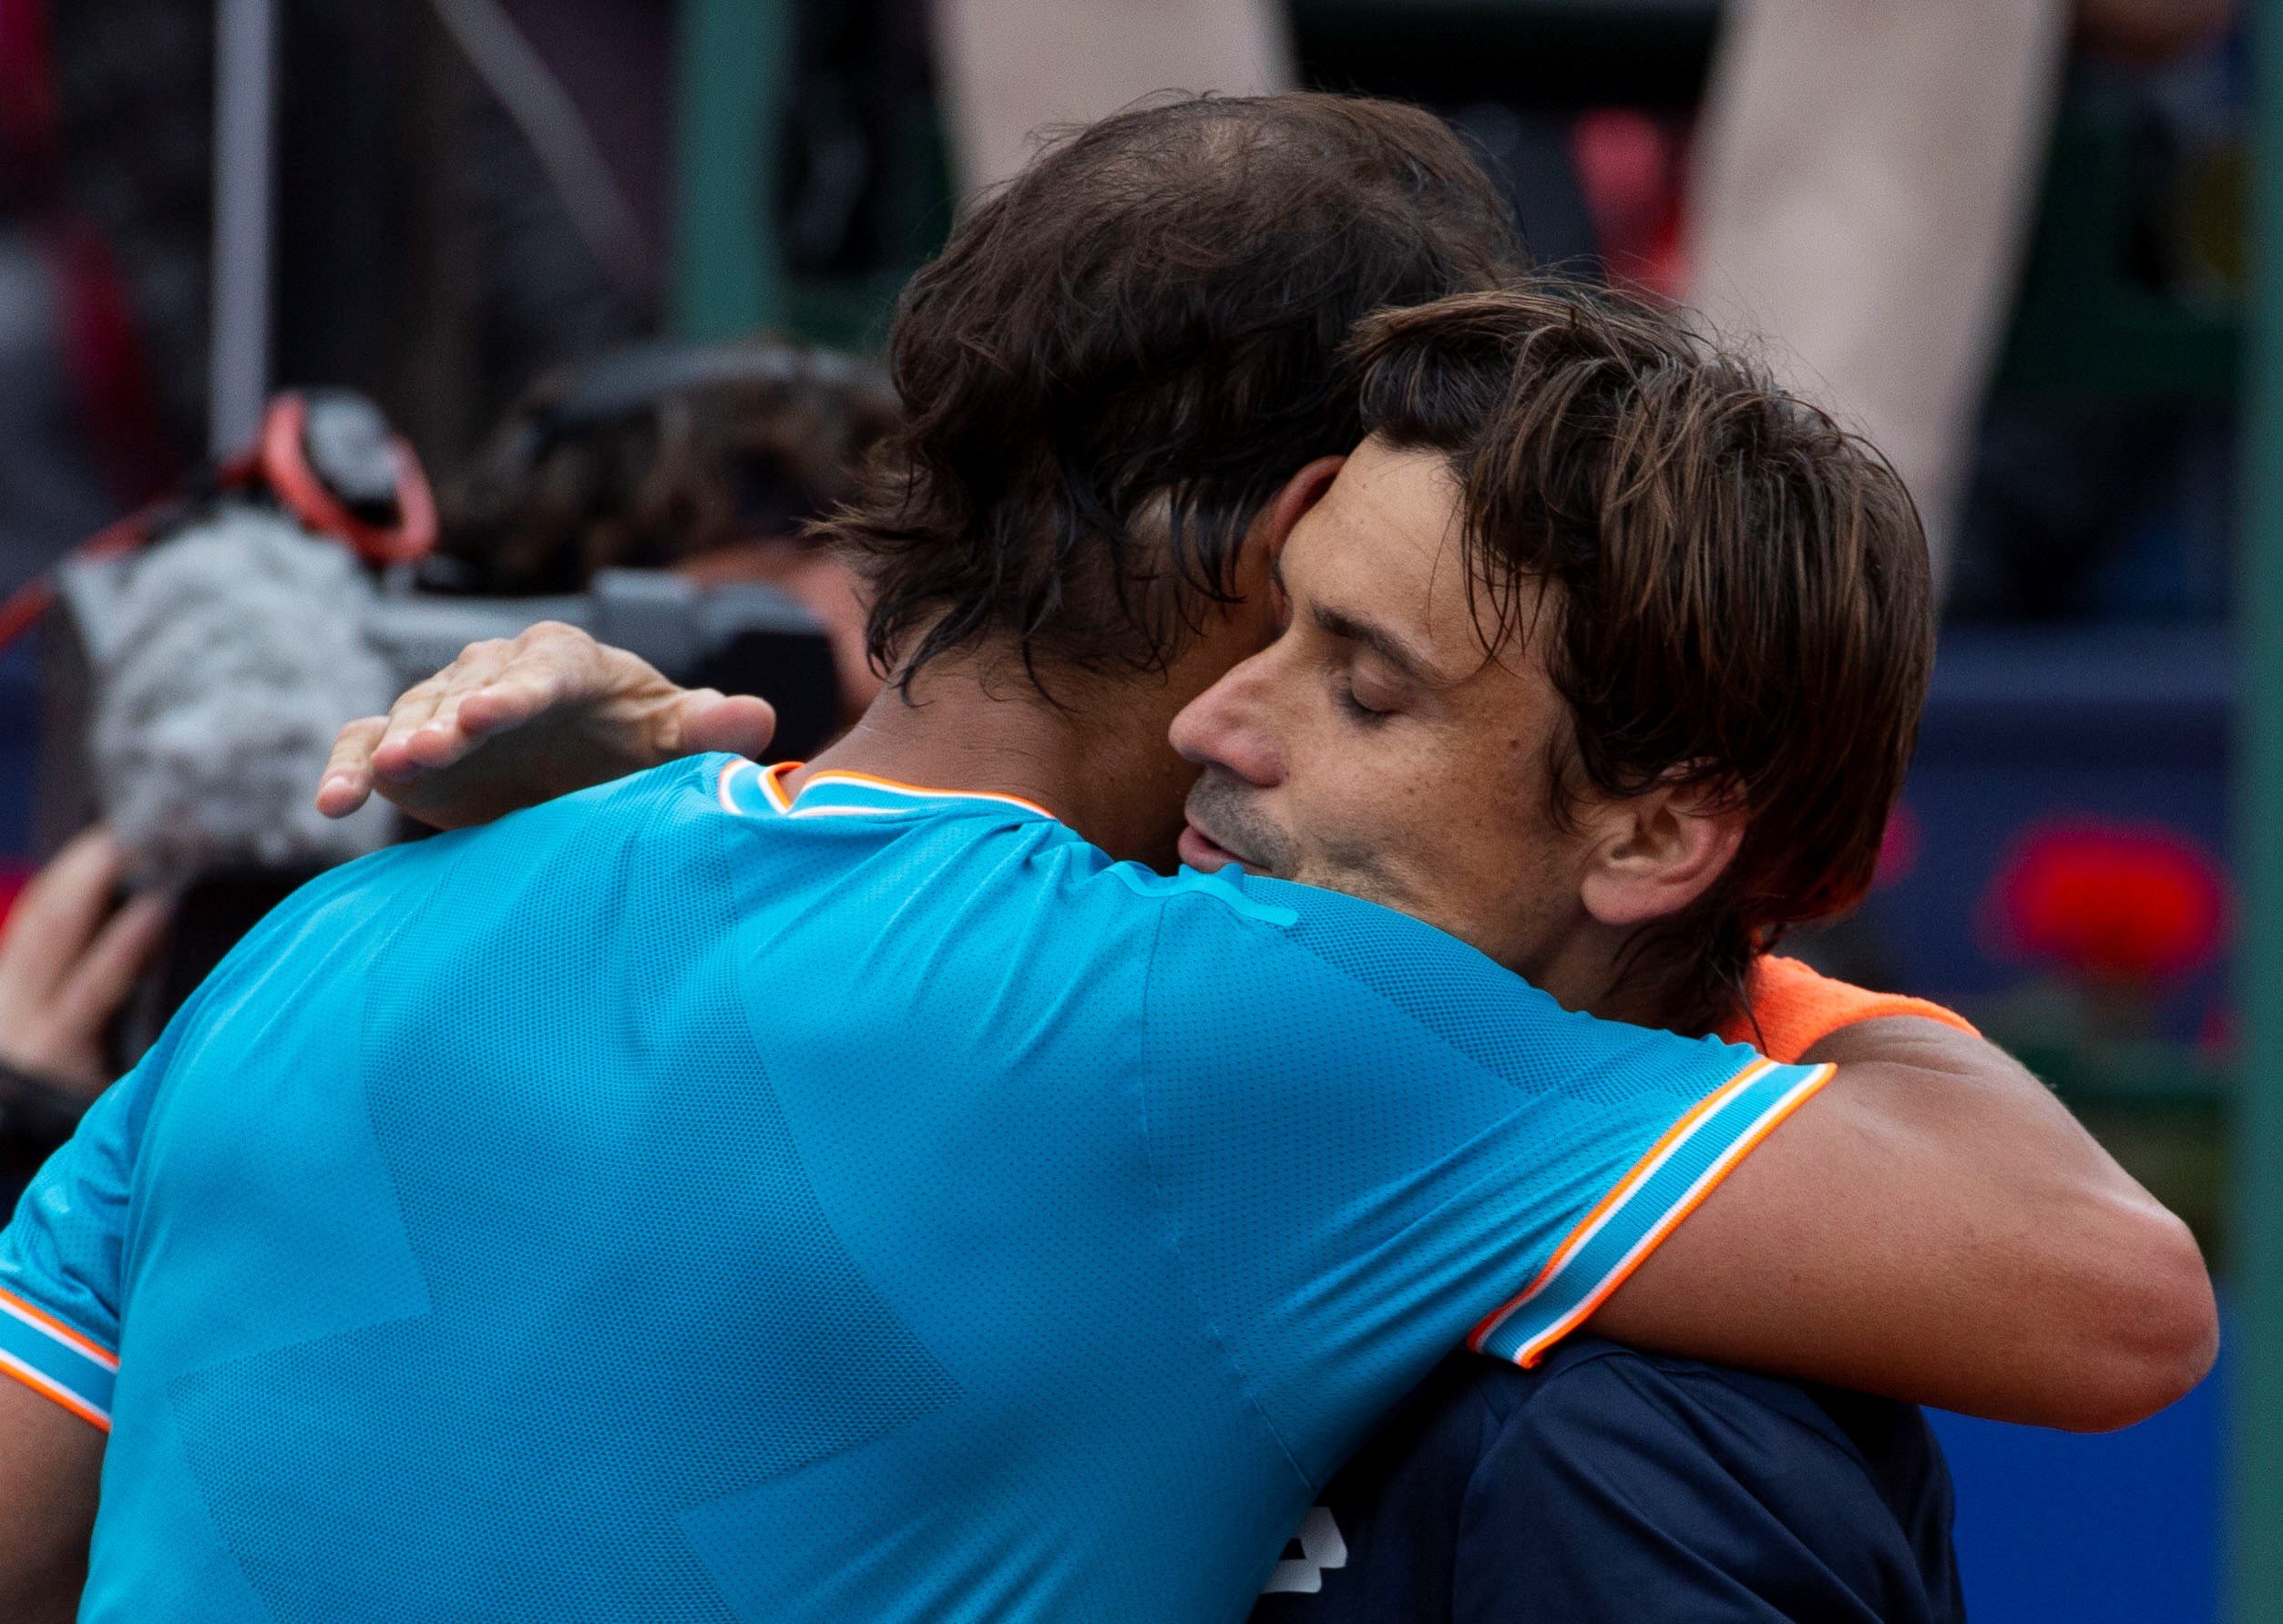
{"x":738,"y":723}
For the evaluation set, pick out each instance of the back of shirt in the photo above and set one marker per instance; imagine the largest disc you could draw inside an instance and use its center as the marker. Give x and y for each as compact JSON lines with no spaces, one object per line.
{"x":684,"y":1203}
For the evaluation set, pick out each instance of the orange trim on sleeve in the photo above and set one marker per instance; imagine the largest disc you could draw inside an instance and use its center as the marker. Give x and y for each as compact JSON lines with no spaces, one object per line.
{"x":56,"y":1393}
{"x":49,"y":1322}
{"x":1584,"y":1227}
{"x":1530,"y":1353}
{"x":1798,"y":1007}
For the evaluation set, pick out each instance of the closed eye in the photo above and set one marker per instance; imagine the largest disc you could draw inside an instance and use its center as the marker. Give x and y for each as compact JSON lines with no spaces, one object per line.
{"x":1356,"y":709}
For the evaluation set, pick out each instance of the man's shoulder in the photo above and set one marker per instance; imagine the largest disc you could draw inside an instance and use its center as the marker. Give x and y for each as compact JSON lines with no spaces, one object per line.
{"x":1689,"y":1442}
{"x":1313,"y":974}
{"x":1254,"y":944}
{"x":1664,"y":1422}
{"x":578,"y":840}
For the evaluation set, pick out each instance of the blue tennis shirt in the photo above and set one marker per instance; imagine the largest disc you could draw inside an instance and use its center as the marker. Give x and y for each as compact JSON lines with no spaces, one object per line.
{"x":680,"y":1202}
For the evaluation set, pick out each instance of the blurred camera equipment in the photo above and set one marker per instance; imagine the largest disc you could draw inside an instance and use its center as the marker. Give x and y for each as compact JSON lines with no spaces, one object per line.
{"x":196,"y":662}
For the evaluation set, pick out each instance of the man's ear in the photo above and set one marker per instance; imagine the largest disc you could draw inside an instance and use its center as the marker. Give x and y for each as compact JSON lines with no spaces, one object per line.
{"x":1302,"y":491}
{"x":1658,"y":851}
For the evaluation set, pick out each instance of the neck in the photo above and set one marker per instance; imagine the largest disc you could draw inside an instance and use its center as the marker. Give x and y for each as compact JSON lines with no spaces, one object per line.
{"x":1099,"y":761}
{"x":1592,"y":971}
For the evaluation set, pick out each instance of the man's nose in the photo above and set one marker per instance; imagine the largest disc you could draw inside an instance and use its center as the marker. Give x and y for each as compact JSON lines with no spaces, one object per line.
{"x":1231,"y":727}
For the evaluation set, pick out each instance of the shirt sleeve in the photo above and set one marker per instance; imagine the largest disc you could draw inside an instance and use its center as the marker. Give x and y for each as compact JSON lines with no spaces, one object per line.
{"x":64,"y":1255}
{"x":1373,"y":1143}
{"x":60,"y":1257}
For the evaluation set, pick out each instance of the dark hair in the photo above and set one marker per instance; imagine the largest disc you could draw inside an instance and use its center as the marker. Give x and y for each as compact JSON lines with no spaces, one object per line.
{"x":1124,"y":352}
{"x":648,"y":456}
{"x":1744,"y":596}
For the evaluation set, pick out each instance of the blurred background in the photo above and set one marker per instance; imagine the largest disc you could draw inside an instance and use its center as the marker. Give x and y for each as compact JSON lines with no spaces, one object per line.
{"x":613,"y":272}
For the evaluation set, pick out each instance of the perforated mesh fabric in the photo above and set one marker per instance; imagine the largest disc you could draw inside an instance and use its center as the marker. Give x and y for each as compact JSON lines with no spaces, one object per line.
{"x":655,"y":1207}
{"x":674,"y":1324}
{"x":1424,"y":1138}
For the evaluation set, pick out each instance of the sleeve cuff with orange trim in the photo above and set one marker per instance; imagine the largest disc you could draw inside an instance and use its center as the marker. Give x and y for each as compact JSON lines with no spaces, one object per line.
{"x":57,"y":1362}
{"x":1792,"y":1008}
{"x":1647,"y":1204}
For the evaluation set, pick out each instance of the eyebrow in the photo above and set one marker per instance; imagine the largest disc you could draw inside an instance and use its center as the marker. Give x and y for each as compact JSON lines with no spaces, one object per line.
{"x":1408,"y":661}
{"x":1398,"y":653}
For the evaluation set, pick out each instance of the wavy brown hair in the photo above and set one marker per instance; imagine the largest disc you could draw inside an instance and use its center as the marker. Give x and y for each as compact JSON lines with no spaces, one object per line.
{"x":1123,"y":354}
{"x":1743,"y":595}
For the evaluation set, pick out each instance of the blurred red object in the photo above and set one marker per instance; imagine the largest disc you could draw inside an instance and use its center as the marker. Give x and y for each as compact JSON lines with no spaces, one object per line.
{"x":1898,"y":848}
{"x":2131,"y":903}
{"x":14,"y":878}
{"x":1633,"y":170}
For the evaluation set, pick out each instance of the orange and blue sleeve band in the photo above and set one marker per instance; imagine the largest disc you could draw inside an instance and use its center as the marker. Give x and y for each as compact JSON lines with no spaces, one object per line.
{"x":56,"y":1360}
{"x":1685,"y":1166}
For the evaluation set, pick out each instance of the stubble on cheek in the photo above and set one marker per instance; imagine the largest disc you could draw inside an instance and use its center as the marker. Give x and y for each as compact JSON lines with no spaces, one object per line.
{"x":1228,"y":814}
{"x":1363,"y":869}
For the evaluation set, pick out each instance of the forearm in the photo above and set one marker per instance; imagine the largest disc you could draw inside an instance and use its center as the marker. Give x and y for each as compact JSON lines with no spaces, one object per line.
{"x":1936,"y":1227}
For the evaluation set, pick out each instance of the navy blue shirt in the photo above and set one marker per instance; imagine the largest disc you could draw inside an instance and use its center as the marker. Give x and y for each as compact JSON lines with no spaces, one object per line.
{"x":1609,"y":1483}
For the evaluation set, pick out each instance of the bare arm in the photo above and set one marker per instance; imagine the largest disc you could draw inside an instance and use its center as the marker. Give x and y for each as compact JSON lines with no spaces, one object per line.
{"x":1935,"y":1226}
{"x":50,"y":1462}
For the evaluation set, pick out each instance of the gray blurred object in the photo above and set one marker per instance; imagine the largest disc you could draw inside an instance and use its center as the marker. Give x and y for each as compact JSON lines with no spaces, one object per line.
{"x":245,"y":209}
{"x":740,"y":637}
{"x":1864,"y":187}
{"x":228,"y":657}
{"x":191,"y":686}
{"x":191,"y":692}
{"x":1012,"y":68}
{"x":190,"y":695}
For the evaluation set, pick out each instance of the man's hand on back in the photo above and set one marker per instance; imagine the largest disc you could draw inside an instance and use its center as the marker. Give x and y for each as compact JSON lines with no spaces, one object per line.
{"x":515,"y":721}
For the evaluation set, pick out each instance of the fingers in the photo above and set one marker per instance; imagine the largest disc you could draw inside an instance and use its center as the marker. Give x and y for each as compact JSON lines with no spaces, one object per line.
{"x":63,"y":970}
{"x":99,"y":983}
{"x":494,"y":686}
{"x":738,"y":723}
{"x":549,"y":665}
{"x":57,"y":914}
{"x":509,"y":702}
{"x":348,"y":781}
{"x":423,"y":730}
{"x":414,"y":710}
{"x":516,"y":721}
